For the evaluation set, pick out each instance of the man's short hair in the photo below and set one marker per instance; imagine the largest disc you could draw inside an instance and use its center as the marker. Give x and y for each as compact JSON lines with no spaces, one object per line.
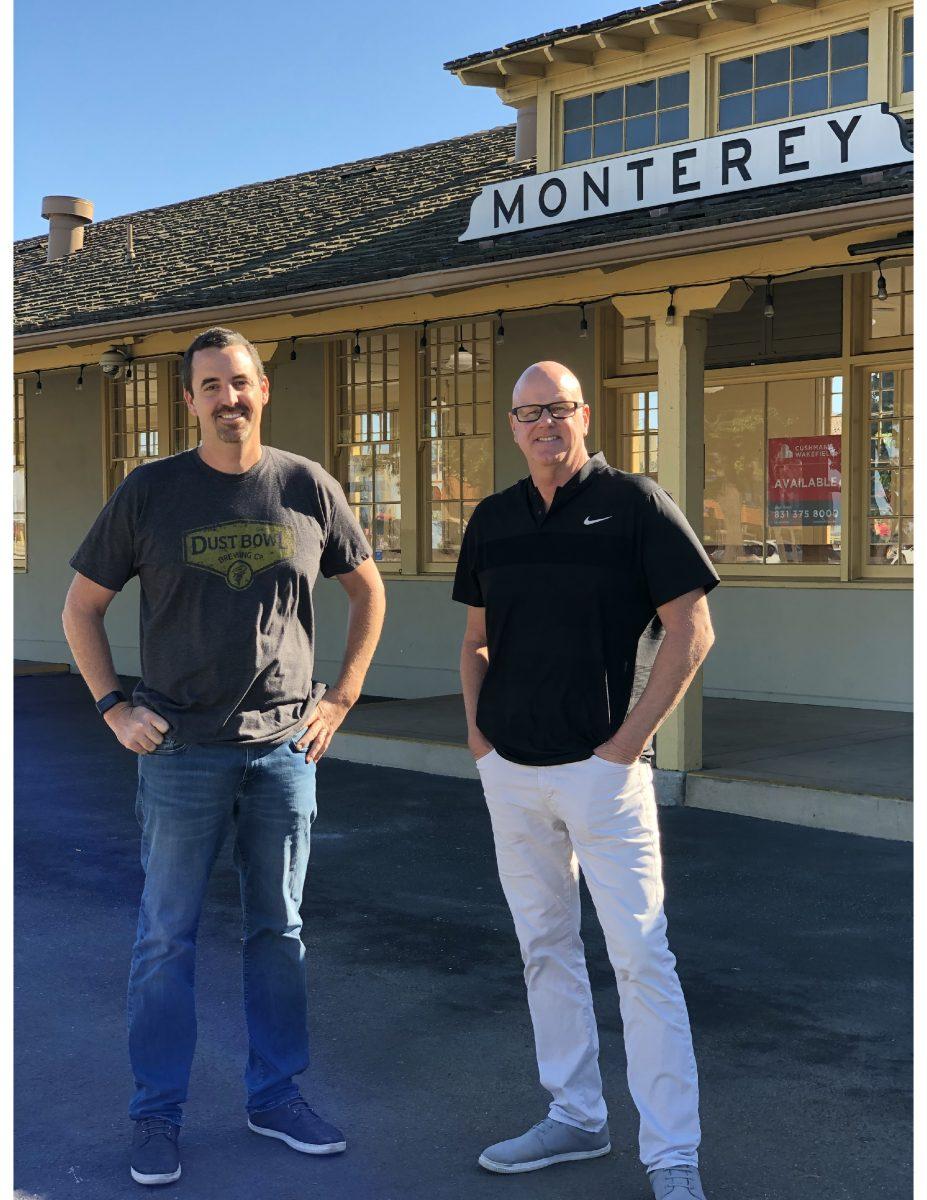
{"x":215,"y":339}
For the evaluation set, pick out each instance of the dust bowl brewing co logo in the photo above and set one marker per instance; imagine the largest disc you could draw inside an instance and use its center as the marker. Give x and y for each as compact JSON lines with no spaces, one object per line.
{"x":237,"y":550}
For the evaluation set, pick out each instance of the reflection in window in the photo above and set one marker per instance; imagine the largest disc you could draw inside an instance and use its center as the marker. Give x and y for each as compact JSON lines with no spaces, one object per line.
{"x":773,"y":466}
{"x":632,"y":117}
{"x":19,"y":475}
{"x":893,"y":316}
{"x":455,"y":417}
{"x":804,"y":78}
{"x":638,"y":340}
{"x":185,"y":432}
{"x":907,"y":54}
{"x":639,"y":432}
{"x":133,"y":420}
{"x":891,"y":468}
{"x":367,"y":437}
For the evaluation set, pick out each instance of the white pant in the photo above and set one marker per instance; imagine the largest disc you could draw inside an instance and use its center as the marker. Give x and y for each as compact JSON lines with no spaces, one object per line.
{"x":548,"y":822}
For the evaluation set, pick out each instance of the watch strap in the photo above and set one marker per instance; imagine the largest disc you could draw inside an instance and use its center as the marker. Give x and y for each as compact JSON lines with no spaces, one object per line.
{"x":110,"y":700}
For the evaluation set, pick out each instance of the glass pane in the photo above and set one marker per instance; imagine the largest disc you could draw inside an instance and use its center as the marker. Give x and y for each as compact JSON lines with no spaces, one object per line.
{"x":639,"y":132}
{"x":386,"y":479}
{"x":674,"y":90}
{"x":359,"y":486}
{"x":634,"y":342}
{"x":387,"y":527}
{"x":641,"y":97}
{"x":809,"y":58}
{"x":907,"y":73}
{"x":849,"y":87}
{"x":772,"y":102}
{"x":674,"y":125}
{"x":484,"y":418}
{"x":577,"y":146}
{"x":734,"y":472}
{"x":907,"y":318}
{"x":577,"y":112}
{"x":772,"y":67}
{"x":907,"y":493}
{"x":446,"y":531}
{"x":736,"y":75}
{"x":907,"y":35}
{"x":637,"y":463}
{"x":735,"y":111}
{"x":886,"y":317}
{"x":883,"y":493}
{"x":849,"y":49}
{"x":608,"y":139}
{"x":477,"y":468}
{"x":808,"y":95}
{"x":609,"y":106}
{"x":907,"y":395}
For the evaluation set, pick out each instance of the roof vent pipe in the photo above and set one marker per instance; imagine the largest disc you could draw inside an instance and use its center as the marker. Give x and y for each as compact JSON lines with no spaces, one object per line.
{"x":526,"y":131}
{"x":67,"y":216}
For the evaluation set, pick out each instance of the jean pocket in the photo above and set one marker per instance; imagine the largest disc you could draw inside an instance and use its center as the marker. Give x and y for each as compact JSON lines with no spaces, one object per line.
{"x":293,"y":740}
{"x":169,"y":746}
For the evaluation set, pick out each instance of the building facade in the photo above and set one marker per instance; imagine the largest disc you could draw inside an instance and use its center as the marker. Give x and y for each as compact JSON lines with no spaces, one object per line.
{"x":704,"y":210}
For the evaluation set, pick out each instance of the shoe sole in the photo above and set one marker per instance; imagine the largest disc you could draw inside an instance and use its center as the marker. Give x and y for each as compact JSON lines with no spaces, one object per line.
{"x":302,"y":1147}
{"x":489,"y":1164}
{"x":150,"y":1180}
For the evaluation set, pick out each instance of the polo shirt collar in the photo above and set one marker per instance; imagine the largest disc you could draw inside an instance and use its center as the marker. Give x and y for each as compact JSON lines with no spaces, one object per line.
{"x":595,"y":463}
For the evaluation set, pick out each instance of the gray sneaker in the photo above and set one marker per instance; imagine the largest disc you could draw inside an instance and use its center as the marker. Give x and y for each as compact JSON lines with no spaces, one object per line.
{"x":546,"y":1143}
{"x":676,"y":1183}
{"x":155,"y":1153}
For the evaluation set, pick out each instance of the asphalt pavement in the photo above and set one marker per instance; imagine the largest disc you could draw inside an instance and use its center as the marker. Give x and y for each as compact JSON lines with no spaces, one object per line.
{"x":794,"y":952}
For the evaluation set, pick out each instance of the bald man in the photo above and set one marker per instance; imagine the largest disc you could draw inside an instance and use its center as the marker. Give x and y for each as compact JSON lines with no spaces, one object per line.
{"x":586,"y":622}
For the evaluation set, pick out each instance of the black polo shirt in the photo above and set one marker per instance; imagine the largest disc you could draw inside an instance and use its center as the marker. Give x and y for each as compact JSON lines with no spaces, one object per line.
{"x":571,"y":596}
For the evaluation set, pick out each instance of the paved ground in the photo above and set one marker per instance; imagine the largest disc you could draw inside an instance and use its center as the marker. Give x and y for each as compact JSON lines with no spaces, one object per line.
{"x":793,"y":946}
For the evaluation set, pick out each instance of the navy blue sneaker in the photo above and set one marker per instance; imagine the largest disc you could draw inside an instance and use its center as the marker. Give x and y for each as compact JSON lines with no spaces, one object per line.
{"x":296,"y":1124}
{"x":155,"y":1152}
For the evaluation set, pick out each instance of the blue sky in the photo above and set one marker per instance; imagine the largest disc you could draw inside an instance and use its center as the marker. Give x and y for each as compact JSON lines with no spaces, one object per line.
{"x":137,"y":104}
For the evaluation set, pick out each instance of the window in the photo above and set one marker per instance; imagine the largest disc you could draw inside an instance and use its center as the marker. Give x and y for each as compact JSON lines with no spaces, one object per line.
{"x":907,"y":56}
{"x":367,"y":437}
{"x":185,"y":430}
{"x":19,"y":475}
{"x":890,"y":541}
{"x":773,"y":471}
{"x":639,"y":419}
{"x":807,"y":77}
{"x":630,"y":117}
{"x":894,"y":316}
{"x":456,"y":415}
{"x":638,"y":340}
{"x":132,"y":404}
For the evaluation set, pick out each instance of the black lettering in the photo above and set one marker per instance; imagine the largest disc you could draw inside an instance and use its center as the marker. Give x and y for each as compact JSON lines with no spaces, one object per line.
{"x":843,"y":135}
{"x":555,"y":209}
{"x":786,"y":148}
{"x":197,"y":544}
{"x":518,"y":204}
{"x":590,"y":185}
{"x":639,"y":165}
{"x":679,"y":171}
{"x":730,"y":163}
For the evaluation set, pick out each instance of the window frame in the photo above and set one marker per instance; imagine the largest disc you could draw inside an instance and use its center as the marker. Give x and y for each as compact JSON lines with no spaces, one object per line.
{"x":795,"y":37}
{"x":898,"y":572}
{"x":20,"y":435}
{"x":588,"y":88}
{"x":901,"y":100}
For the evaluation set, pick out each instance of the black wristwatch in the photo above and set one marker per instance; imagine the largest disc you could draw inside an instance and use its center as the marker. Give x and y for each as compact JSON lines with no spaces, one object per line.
{"x":110,"y":700}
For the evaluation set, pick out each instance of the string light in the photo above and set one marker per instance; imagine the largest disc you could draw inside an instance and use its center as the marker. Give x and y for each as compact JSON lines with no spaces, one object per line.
{"x":38,"y":381}
{"x":500,"y":330}
{"x":583,"y":323}
{"x":79,"y":386}
{"x":769,"y":309}
{"x":292,"y":349}
{"x":357,"y":350}
{"x":671,"y":307}
{"x":423,"y":340}
{"x":881,"y":286}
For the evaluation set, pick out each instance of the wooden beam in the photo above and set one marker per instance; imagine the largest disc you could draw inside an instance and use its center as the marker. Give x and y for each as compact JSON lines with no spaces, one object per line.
{"x":795,"y":3}
{"x":521,"y":68}
{"x":723,"y":10}
{"x":493,"y":79}
{"x":620,"y":41}
{"x":670,"y":27}
{"x":569,"y":54}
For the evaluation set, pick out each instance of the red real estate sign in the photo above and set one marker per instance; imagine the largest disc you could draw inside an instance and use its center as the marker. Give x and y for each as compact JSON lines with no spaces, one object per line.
{"x":804,"y":480}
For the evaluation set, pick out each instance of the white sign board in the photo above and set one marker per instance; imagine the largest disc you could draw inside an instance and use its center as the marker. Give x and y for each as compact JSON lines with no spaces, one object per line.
{"x":851,"y":139}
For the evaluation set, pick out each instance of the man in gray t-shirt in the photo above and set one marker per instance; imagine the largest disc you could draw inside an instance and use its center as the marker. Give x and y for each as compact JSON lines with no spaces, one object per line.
{"x":227,"y":542}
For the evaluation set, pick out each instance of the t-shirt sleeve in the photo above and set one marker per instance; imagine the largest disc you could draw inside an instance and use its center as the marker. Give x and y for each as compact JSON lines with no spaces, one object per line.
{"x":675,"y":562}
{"x":467,"y":588}
{"x":107,"y":553}
{"x":345,"y":545}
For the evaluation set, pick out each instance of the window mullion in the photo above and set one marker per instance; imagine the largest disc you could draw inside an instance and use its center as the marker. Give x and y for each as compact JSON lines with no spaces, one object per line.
{"x":408,"y":451}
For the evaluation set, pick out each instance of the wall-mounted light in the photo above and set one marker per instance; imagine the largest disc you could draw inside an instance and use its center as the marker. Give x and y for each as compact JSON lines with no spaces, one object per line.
{"x":583,"y":323}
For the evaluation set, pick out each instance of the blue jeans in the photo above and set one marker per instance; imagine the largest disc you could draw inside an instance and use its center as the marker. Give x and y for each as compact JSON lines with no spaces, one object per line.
{"x":188,"y":798}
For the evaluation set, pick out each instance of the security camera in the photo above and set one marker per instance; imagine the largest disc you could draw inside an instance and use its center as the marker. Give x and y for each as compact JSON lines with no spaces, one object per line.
{"x":113,"y":360}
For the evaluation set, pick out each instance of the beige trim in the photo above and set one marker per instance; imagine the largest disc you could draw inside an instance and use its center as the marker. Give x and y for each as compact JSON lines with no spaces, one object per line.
{"x":615,"y":256}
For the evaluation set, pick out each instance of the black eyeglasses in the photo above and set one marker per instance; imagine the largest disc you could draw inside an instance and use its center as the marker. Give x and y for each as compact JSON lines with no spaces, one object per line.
{"x":559,"y":410}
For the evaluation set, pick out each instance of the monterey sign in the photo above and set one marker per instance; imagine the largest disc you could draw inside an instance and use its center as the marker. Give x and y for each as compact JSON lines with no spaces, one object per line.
{"x":851,"y":139}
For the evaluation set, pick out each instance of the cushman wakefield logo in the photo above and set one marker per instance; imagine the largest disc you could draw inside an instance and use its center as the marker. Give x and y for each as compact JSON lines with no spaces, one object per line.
{"x":851,"y":139}
{"x":238,"y":550}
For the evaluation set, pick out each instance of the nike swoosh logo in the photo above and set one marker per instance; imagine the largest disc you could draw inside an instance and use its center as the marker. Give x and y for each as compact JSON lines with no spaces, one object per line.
{"x":590,"y":521}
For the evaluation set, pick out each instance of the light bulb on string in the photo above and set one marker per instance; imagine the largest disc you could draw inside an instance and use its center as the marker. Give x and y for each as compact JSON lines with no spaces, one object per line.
{"x":461,"y":349}
{"x":79,"y":386}
{"x":423,"y":340}
{"x":583,"y":323}
{"x":38,"y":381}
{"x":128,"y":372}
{"x":881,"y":285}
{"x":769,"y":308}
{"x":357,"y":350}
{"x":671,"y":307}
{"x":292,"y":349}
{"x":500,"y":330}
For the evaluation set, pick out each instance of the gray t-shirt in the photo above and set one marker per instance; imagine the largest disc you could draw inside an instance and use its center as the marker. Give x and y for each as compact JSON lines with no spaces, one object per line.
{"x":226,"y":564}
